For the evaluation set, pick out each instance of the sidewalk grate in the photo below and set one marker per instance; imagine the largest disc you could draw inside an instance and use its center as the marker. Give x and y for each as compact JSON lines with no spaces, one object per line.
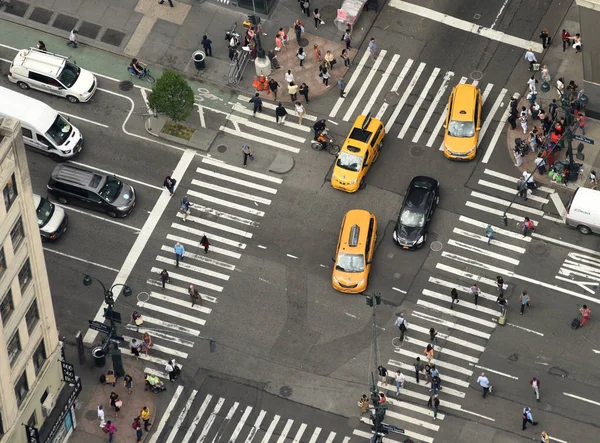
{"x":17,"y":8}
{"x":41,"y":15}
{"x":89,"y":30}
{"x":113,"y":37}
{"x":65,"y":22}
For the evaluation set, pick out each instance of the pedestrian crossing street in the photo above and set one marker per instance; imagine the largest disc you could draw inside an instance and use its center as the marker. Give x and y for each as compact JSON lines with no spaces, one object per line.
{"x":217,"y":419}
{"x":229,"y":202}
{"x":463,"y":332}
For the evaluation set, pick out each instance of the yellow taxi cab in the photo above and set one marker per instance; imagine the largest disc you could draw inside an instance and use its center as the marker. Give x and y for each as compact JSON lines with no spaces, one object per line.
{"x":358,"y":153}
{"x":354,"y":252}
{"x":461,"y":130}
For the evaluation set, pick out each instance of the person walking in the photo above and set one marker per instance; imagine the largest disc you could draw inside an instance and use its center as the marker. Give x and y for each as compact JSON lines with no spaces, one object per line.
{"x":535,"y":384}
{"x":194,"y":295}
{"x":134,"y":347}
{"x":299,"y":111}
{"x":293,"y":90}
{"x":382,"y":372}
{"x":341,"y":86}
{"x":169,"y":183}
{"x":128,"y":383}
{"x":531,"y":84}
{"x":303,"y":90}
{"x":301,"y":55}
{"x":317,"y":17}
{"x":545,"y":38}
{"x":585,"y":313}
{"x":138,"y":429}
{"x":325,"y":75}
{"x":402,"y":325}
{"x":553,"y":109}
{"x":73,"y":38}
{"x":435,"y":404}
{"x":344,"y":55}
{"x":298,"y":30}
{"x":581,"y":124}
{"x":489,"y":233}
{"x":179,"y":251}
{"x":115,"y":402}
{"x":164,"y":278}
{"x":273,"y":85}
{"x":41,"y":46}
{"x":247,"y":154}
{"x":318,"y":54}
{"x":476,"y":292}
{"x":530,"y":57}
{"x":522,"y":188}
{"x":184,"y":208}
{"x":527,"y":226}
{"x":347,"y":38}
{"x":146,"y":342}
{"x":454,"y":295}
{"x":306,"y":6}
{"x":256,"y":104}
{"x":110,"y":429}
{"x":523,"y":119}
{"x":172,"y":369}
{"x":207,"y":45}
{"x":145,"y":415}
{"x":418,"y":364}
{"x":484,"y":383}
{"x":432,"y":337}
{"x":373,"y":48}
{"x":363,"y":404}
{"x":545,"y":437}
{"x":433,"y":375}
{"x":566,"y":39}
{"x":399,"y":381}
{"x":502,"y":303}
{"x":205,"y":243}
{"x":101,"y":416}
{"x":524,"y":299}
{"x":428,"y":351}
{"x":528,"y":417}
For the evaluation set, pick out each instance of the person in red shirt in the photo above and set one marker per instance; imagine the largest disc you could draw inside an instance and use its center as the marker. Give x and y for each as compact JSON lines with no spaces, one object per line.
{"x":566,"y":39}
{"x":585,"y":312}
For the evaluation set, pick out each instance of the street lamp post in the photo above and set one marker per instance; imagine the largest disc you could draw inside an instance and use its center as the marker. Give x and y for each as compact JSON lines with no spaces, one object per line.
{"x":113,"y":317}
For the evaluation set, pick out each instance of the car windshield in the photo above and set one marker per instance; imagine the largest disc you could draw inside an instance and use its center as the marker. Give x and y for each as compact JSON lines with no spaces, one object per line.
{"x":350,"y":262}
{"x":111,"y":189}
{"x":412,"y":218}
{"x":461,"y":129}
{"x":349,"y":161}
{"x":360,"y":135}
{"x":69,"y":74}
{"x":60,"y":130}
{"x":44,"y":212}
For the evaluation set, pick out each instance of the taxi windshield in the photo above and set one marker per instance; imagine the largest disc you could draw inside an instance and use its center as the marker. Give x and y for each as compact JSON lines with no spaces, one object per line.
{"x":111,"y":189}
{"x":350,"y":262}
{"x":412,"y":218}
{"x":349,"y":161}
{"x":44,"y":212}
{"x":60,"y":130}
{"x":461,"y":129}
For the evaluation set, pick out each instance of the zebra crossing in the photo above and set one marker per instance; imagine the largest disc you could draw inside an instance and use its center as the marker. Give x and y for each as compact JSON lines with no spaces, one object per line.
{"x":218,"y":419}
{"x":229,"y":202}
{"x":464,"y":329}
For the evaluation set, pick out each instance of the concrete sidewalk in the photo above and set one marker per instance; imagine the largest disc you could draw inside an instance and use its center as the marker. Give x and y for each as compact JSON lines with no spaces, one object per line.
{"x":568,"y":65}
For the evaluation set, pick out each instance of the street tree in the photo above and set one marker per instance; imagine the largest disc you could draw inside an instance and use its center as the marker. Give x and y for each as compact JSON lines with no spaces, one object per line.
{"x":172,"y":96}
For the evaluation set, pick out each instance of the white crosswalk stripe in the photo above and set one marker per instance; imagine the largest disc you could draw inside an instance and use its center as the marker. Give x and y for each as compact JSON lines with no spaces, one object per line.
{"x":419,"y":101}
{"x":364,"y":87}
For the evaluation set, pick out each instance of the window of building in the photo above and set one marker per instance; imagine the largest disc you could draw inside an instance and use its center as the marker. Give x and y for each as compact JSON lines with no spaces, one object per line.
{"x":25,"y":275}
{"x":1,"y":425}
{"x":32,"y":317}
{"x":14,"y":348}
{"x":2,"y":262}
{"x":44,"y":396}
{"x":6,"y":306}
{"x":32,"y":420}
{"x":39,"y":357}
{"x":17,"y":234}
{"x":21,"y":388}
{"x":10,"y":192}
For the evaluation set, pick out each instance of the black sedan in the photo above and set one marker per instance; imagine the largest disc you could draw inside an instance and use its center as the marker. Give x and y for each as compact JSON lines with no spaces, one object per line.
{"x":421,"y":198}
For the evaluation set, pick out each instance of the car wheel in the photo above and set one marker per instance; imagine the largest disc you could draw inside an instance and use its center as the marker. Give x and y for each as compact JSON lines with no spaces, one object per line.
{"x":62,"y":200}
{"x":72,"y":99}
{"x":112,"y":214}
{"x":437,"y":200}
{"x":23,"y":85}
{"x":584,"y":229}
{"x":363,"y":184}
{"x":44,"y":239}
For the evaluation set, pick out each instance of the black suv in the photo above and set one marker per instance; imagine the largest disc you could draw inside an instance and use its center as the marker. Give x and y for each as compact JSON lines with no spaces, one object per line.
{"x":90,"y":189}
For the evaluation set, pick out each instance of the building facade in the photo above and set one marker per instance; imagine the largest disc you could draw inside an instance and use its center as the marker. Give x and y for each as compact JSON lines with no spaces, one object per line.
{"x":31,"y":367}
{"x":589,"y":15}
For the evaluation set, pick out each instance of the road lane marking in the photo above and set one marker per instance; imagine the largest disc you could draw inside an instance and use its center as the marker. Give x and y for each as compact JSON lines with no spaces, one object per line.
{"x":486,"y":93}
{"x":107,"y":220}
{"x":224,"y":190}
{"x":243,"y":171}
{"x":441,"y":121}
{"x":486,"y":252}
{"x":263,"y":141}
{"x":163,"y":349}
{"x":465,"y":289}
{"x":513,"y":179}
{"x":410,"y":369}
{"x":438,"y":363}
{"x":197,"y":232}
{"x":511,"y":191}
{"x":238,"y":107}
{"x":498,"y":212}
{"x":465,"y":25}
{"x":251,"y":124}
{"x":445,"y":351}
{"x":237,"y":181}
{"x":213,"y":249}
{"x":226,"y":203}
{"x":484,"y":239}
{"x":364,"y":87}
{"x":208,"y":424}
{"x":450,"y":324}
{"x":402,"y":75}
{"x":380,"y":85}
{"x":413,"y":407}
{"x":418,"y":103}
{"x":219,"y":226}
{"x":197,"y":418}
{"x":72,"y":257}
{"x":490,"y":117}
{"x":270,"y":429}
{"x":448,"y":338}
{"x":193,"y":268}
{"x":465,"y":303}
{"x":179,"y":302}
{"x":581,"y":398}
{"x":274,"y":106}
{"x":160,"y":334}
{"x":83,"y":119}
{"x":350,"y":84}
{"x":526,"y":329}
{"x":447,"y":78}
{"x":566,"y":245}
{"x":404,"y":98}
{"x":503,"y":202}
{"x":166,"y":414}
{"x":502,"y":231}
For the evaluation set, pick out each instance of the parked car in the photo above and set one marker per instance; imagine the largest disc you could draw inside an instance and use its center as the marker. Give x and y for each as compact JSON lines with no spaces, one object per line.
{"x":52,"y":219}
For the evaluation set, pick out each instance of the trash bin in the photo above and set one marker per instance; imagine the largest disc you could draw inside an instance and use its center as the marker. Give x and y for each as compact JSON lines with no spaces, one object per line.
{"x":199,"y":58}
{"x":99,"y":356}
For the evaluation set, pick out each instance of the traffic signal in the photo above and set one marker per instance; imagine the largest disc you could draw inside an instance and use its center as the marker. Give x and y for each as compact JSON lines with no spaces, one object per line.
{"x":369,"y":300}
{"x":378,"y":299}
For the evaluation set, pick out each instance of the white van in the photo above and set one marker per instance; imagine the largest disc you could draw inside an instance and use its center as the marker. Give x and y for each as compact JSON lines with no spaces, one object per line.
{"x":43,"y":128}
{"x":52,"y":219}
{"x":53,"y":74}
{"x":583,"y":211}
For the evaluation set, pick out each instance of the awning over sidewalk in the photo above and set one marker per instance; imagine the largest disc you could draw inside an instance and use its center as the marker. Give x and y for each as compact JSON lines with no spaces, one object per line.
{"x":54,"y":424}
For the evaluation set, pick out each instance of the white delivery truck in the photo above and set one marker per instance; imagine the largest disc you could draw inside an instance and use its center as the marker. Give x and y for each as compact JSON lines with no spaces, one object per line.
{"x":583,"y":211}
{"x":43,"y":128}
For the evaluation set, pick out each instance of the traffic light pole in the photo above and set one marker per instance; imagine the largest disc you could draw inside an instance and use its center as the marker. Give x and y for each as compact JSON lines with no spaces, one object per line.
{"x":379,"y":408}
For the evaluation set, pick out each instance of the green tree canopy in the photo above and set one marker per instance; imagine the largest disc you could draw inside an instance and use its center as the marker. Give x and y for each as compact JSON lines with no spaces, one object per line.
{"x":172,"y":96}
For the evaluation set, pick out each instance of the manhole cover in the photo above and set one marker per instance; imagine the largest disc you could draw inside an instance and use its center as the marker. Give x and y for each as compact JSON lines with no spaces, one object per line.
{"x":416,"y":151}
{"x":222,"y":149}
{"x":91,"y":415}
{"x":285,"y":391}
{"x":126,"y":85}
{"x":513,"y":357}
{"x":476,"y":75}
{"x":540,"y":249}
{"x":436,"y":246}
{"x":143,"y":297}
{"x":303,"y":42}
